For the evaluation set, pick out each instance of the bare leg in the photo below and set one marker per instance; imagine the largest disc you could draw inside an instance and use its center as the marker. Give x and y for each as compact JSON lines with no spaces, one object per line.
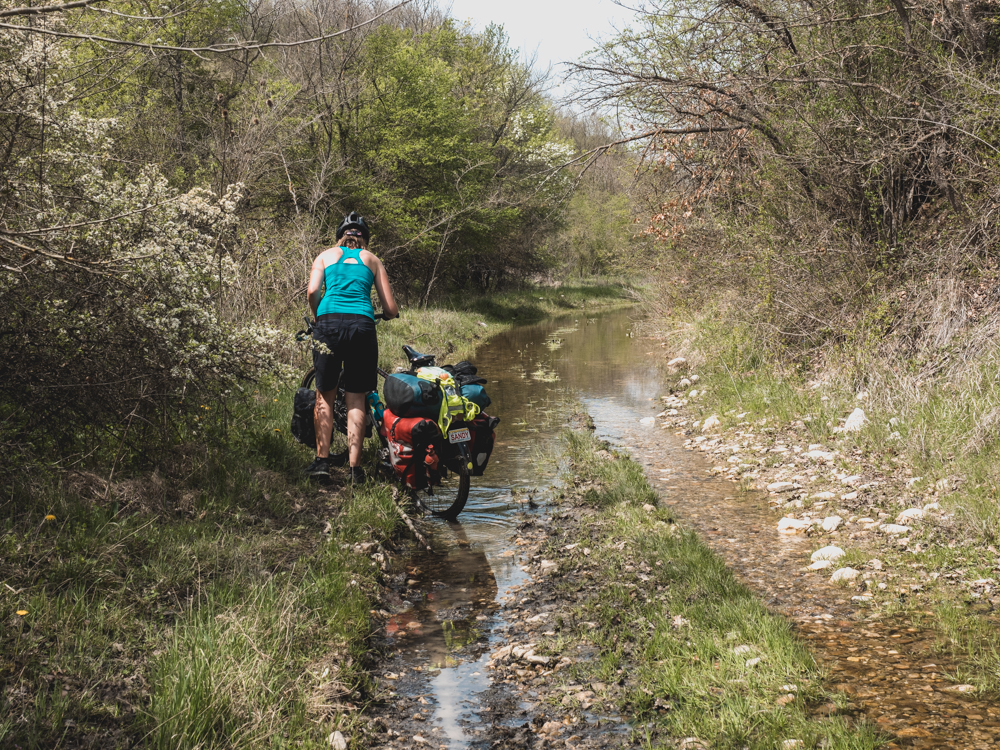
{"x":323,"y":416}
{"x":355,"y":403}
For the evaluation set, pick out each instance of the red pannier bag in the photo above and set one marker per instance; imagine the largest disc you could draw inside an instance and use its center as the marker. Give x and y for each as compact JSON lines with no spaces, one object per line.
{"x":411,"y":453}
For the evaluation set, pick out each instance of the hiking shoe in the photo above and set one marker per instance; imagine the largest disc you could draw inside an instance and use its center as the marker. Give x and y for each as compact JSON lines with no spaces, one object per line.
{"x":358,"y":475}
{"x":319,"y":468}
{"x":338,"y":459}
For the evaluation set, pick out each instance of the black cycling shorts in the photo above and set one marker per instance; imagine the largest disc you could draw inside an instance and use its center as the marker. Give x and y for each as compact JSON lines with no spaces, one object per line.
{"x":353,"y":348}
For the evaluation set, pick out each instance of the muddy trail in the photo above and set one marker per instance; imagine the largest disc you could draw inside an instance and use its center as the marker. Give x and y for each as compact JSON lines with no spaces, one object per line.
{"x":449,"y":678}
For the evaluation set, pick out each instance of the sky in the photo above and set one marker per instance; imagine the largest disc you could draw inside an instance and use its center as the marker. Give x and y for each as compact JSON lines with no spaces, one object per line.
{"x":557,"y":30}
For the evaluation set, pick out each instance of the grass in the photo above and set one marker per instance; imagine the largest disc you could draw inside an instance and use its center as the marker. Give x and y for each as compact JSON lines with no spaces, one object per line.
{"x":696,"y":653}
{"x":213,"y":599}
{"x":215,"y":613}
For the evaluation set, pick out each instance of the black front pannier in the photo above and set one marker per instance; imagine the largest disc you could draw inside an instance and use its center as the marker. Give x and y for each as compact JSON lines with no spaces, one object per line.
{"x":483,"y":431}
{"x":303,"y":419}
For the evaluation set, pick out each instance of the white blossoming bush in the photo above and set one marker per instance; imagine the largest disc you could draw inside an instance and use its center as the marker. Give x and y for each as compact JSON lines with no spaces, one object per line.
{"x":112,"y":288}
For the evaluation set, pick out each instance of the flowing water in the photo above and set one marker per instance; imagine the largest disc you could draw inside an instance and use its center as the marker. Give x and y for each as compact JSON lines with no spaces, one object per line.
{"x":889,"y":671}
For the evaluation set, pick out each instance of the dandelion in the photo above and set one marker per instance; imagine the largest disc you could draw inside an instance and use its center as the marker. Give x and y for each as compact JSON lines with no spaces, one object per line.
{"x":22,"y":612}
{"x":50,"y":517}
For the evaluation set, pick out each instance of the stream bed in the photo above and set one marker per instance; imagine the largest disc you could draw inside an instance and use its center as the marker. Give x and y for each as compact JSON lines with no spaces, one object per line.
{"x":448,"y":608}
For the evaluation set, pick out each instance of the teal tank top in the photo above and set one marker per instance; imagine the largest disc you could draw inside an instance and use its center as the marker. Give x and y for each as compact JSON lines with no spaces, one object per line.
{"x":348,"y":286}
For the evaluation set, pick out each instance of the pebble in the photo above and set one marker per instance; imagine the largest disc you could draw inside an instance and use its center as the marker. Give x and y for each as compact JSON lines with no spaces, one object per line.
{"x":910,"y":514}
{"x":849,"y":496}
{"x":820,"y":565}
{"x":875,"y":564}
{"x":791,"y":744}
{"x":693,"y":394}
{"x":792,"y":526}
{"x":894,"y":528}
{"x":677,"y":362}
{"x":852,"y":480}
{"x":684,"y":383}
{"x":548,"y":566}
{"x":419,"y":740}
{"x":830,"y":552}
{"x":649,"y":508}
{"x":551,"y":727}
{"x":337,"y":741}
{"x":832,"y":523}
{"x":855,"y":421}
{"x":711,"y":423}
{"x":781,"y":487}
{"x":961,"y":689}
{"x":818,"y":455}
{"x":844,"y":574}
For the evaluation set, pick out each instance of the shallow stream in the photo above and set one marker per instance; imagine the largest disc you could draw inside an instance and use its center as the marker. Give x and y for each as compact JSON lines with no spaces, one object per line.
{"x":453,"y":612}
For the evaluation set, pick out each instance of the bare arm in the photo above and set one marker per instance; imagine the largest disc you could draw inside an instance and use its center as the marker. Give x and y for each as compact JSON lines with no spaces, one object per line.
{"x":315,"y":292}
{"x":385,"y":291}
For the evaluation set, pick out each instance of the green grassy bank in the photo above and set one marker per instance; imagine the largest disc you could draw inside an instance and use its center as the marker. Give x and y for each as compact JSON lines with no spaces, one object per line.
{"x":212,"y":598}
{"x":695,"y":653}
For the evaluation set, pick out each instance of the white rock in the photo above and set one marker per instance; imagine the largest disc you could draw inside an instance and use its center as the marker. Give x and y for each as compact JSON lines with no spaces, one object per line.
{"x":649,"y":508}
{"x":695,"y":378}
{"x":693,"y":394}
{"x":856,"y":421}
{"x":683,"y":383}
{"x":548,"y":566}
{"x":875,"y":564}
{"x":791,"y":744}
{"x":932,"y":506}
{"x":781,"y":487}
{"x":960,"y":688}
{"x":823,"y":496}
{"x":818,"y":455}
{"x":711,"y":423}
{"x":894,"y":528}
{"x":851,"y":480}
{"x":820,"y":565}
{"x":849,"y":496}
{"x":910,"y":514}
{"x":677,"y":362}
{"x":337,"y":741}
{"x":832,"y":523}
{"x":792,"y":526}
{"x":844,"y":574}
{"x":419,"y":740}
{"x":830,"y":552}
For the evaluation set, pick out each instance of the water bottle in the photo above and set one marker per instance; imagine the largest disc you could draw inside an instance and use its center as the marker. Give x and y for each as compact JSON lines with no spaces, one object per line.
{"x":375,"y":404}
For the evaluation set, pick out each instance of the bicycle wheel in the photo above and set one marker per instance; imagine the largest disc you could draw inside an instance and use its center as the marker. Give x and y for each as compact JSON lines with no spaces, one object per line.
{"x":448,"y":498}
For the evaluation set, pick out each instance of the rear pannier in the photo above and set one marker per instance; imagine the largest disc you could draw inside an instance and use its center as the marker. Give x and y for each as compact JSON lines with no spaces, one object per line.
{"x":409,"y":396}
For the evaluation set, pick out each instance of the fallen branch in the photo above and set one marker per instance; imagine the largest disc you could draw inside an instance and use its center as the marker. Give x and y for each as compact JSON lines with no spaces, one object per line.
{"x":409,"y":522}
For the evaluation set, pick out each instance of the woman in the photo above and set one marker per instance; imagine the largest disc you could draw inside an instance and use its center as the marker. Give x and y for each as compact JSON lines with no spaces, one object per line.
{"x":340,"y":288}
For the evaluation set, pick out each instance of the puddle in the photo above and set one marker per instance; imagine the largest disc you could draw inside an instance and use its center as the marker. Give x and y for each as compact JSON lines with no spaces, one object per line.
{"x":456,"y":614}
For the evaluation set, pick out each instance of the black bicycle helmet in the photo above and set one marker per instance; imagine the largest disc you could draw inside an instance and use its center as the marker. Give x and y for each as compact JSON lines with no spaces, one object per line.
{"x":354,"y":220}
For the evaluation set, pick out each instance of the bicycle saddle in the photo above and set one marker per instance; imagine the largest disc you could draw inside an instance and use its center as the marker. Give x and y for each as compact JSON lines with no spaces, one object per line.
{"x":416,"y":358}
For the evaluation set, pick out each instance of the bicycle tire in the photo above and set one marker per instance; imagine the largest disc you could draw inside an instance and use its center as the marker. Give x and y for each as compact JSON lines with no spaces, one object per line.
{"x":448,"y":498}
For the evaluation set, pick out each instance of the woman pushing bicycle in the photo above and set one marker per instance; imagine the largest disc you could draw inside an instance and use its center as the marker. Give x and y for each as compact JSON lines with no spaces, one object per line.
{"x":340,"y":287}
